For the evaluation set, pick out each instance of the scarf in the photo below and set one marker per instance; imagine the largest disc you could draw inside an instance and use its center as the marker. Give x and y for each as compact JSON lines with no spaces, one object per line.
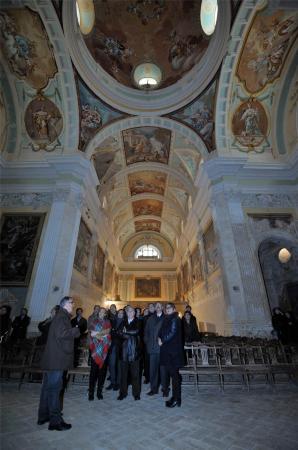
{"x":99,"y":347}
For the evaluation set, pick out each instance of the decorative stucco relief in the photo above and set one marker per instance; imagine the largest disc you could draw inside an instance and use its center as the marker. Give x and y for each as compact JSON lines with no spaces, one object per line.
{"x":34,"y":200}
{"x":269,"y":200}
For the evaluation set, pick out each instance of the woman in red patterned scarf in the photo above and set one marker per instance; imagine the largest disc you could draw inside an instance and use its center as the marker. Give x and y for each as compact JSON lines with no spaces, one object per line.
{"x":99,"y":343}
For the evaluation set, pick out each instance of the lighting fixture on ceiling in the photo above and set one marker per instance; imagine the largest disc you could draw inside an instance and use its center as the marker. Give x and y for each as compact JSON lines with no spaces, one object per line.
{"x":147,"y":76}
{"x":85,"y":15}
{"x":208,"y":16}
{"x":284,"y":255}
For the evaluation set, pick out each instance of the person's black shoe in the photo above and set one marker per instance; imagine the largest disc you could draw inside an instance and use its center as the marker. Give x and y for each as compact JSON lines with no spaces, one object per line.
{"x":60,"y":427}
{"x":99,"y":396}
{"x":151,"y":393}
{"x":109,"y":388}
{"x":121,"y":397}
{"x":42,"y":422}
{"x":172,"y":403}
{"x":137,"y":397}
{"x":90,"y":396}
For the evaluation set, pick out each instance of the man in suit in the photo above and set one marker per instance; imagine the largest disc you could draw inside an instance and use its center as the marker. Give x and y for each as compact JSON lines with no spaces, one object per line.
{"x":57,"y":358}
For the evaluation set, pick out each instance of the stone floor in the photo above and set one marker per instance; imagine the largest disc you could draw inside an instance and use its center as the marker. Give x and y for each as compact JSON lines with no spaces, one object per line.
{"x":262,"y":419}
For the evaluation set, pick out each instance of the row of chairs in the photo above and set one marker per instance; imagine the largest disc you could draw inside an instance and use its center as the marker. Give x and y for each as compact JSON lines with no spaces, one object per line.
{"x":230,"y":365}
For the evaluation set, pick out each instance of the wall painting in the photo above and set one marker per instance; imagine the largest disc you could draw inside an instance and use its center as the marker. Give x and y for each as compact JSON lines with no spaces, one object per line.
{"x":20,"y":236}
{"x":81,"y":260}
{"x":147,"y":287}
{"x":98,"y":267}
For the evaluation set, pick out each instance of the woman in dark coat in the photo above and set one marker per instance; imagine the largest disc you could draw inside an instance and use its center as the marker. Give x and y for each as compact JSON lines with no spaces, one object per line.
{"x":190,"y":328}
{"x":171,"y":352}
{"x":129,"y":332}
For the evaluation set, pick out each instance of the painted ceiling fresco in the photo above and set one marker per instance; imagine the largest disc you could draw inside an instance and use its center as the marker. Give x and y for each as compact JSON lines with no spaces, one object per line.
{"x":146,"y":144}
{"x":147,"y":225}
{"x":268,"y":42}
{"x":169,"y":30}
{"x":94,"y":114}
{"x":146,"y":207}
{"x":26,"y":47}
{"x":199,"y":115}
{"x":265,"y":49}
{"x":147,"y":182}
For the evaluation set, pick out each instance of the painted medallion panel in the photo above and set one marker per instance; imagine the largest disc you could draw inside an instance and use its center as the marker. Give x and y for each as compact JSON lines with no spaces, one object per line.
{"x":43,"y":121}
{"x":147,"y":182}
{"x":81,"y":260}
{"x":146,"y":144}
{"x":147,"y":225}
{"x":20,"y":235}
{"x":170,"y":32}
{"x":148,"y":207}
{"x":266,"y":47}
{"x":26,"y":46}
{"x":250,"y":123}
{"x":147,"y":287}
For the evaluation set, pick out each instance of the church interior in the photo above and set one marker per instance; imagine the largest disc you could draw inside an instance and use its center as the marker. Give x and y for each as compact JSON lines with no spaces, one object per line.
{"x":149,"y":153}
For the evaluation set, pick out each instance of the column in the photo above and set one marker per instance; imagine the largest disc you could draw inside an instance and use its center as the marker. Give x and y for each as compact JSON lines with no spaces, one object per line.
{"x":54,"y":261}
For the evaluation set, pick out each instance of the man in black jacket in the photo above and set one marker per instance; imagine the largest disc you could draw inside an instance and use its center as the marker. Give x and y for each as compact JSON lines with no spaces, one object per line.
{"x":171,"y":351}
{"x":130,"y":354}
{"x":57,"y":357}
{"x":151,"y":331}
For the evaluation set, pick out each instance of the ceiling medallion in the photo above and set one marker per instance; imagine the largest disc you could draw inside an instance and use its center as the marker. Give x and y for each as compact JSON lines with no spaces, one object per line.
{"x":147,"y":76}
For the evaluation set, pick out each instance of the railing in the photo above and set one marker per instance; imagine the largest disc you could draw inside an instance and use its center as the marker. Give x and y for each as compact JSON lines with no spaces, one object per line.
{"x":239,"y":365}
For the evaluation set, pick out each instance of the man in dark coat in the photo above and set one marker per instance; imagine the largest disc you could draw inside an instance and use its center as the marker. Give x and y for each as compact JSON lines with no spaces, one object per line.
{"x":129,"y":331}
{"x":57,"y":357}
{"x":171,"y":351}
{"x":151,"y":331}
{"x":81,"y":322}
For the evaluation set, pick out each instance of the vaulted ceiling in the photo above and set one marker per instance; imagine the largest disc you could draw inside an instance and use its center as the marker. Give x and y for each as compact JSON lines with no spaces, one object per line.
{"x":147,"y":147}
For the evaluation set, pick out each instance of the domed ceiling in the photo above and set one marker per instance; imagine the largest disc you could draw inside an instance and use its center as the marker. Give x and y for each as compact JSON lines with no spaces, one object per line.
{"x":171,"y":37}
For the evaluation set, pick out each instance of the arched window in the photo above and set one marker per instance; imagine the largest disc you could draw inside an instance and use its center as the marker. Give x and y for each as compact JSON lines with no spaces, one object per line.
{"x":147,"y":251}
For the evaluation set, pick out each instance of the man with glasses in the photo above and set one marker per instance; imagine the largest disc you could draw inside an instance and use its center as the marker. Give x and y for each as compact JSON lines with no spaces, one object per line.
{"x":171,"y":351}
{"x":57,"y":358}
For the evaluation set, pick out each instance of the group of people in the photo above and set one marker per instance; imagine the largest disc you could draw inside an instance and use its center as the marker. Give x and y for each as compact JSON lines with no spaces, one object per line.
{"x":126,"y":342}
{"x":15,"y":331}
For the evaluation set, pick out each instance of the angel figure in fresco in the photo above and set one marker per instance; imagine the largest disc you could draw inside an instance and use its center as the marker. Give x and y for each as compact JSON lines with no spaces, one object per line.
{"x":250,"y":117}
{"x":18,"y":49}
